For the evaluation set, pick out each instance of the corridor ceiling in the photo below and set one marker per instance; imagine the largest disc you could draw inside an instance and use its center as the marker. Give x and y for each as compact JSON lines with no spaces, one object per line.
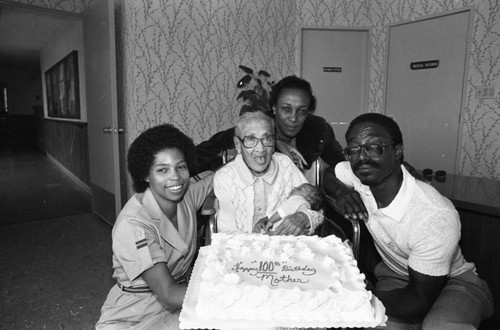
{"x":23,"y":32}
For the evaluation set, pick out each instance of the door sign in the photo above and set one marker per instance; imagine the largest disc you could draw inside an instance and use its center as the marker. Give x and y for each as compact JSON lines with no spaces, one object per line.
{"x":331,"y":69}
{"x":424,"y":65}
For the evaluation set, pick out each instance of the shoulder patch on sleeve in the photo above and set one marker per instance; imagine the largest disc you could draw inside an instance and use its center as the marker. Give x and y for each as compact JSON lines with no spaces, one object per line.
{"x":142,"y":246}
{"x":140,"y":238}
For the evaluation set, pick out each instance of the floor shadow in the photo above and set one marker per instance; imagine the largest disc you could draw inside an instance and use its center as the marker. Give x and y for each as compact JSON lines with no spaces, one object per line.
{"x":34,"y":188}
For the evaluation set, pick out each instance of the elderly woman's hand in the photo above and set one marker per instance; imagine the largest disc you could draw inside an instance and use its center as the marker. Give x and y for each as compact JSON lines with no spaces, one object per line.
{"x":293,"y":153}
{"x":261,"y":225}
{"x":293,"y":224}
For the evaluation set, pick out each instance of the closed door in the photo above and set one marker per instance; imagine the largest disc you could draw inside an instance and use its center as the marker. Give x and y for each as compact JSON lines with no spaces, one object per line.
{"x":335,"y":62}
{"x":100,"y":77}
{"x":426,"y":68}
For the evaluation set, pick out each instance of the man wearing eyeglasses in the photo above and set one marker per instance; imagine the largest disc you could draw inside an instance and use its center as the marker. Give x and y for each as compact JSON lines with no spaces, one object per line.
{"x":423,"y":279}
{"x":258,"y":180}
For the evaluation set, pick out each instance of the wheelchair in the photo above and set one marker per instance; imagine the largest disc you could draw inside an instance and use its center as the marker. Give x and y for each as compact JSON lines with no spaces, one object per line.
{"x":330,"y":226}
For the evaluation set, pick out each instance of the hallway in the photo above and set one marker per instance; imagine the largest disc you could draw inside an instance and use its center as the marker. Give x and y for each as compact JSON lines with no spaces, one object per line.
{"x":55,"y":255}
{"x":34,"y":188}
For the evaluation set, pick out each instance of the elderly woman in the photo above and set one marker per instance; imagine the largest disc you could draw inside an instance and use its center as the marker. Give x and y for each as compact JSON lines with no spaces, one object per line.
{"x":154,"y":237}
{"x":258,"y":181}
{"x":301,"y":135}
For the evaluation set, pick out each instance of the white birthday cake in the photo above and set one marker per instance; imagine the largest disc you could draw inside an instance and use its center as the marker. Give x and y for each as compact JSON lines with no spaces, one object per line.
{"x":279,"y":281}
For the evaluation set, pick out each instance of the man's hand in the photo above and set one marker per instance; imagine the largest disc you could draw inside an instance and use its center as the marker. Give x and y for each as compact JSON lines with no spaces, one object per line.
{"x":293,"y":224}
{"x":349,"y":203}
{"x":345,"y":200}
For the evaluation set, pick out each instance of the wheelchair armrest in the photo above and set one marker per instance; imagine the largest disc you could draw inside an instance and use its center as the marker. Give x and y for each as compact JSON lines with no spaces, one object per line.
{"x":356,"y":230}
{"x":208,"y":207}
{"x":211,"y":229}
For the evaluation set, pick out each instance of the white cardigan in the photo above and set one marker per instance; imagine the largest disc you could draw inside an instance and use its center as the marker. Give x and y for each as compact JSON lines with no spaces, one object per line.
{"x":233,"y":186}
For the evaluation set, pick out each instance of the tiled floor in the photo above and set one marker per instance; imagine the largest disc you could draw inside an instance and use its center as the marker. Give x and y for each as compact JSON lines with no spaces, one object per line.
{"x":55,"y":255}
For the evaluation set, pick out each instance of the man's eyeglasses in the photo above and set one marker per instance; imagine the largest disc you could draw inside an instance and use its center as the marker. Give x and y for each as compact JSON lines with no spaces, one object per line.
{"x":252,"y":141}
{"x":373,"y":150}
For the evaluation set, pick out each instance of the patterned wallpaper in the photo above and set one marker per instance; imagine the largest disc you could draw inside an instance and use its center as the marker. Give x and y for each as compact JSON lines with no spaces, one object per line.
{"x":480,"y":149}
{"x":179,"y":58}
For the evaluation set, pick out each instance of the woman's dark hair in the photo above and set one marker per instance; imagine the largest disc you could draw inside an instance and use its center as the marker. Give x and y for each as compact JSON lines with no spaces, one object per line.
{"x":143,"y":150}
{"x":387,"y":122}
{"x":292,"y":82}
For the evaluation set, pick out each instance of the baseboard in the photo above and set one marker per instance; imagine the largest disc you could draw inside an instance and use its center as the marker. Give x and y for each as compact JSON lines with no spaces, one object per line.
{"x":73,"y":177}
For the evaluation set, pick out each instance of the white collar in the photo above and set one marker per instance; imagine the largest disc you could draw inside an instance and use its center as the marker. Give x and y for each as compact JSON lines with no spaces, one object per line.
{"x":397,"y":208}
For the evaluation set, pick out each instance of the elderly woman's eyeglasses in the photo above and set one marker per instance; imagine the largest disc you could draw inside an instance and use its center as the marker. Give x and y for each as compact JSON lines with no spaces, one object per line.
{"x":252,"y":141}
{"x":373,"y":150}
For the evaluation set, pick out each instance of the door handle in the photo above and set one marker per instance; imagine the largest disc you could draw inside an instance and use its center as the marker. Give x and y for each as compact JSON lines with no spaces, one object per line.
{"x":108,"y":129}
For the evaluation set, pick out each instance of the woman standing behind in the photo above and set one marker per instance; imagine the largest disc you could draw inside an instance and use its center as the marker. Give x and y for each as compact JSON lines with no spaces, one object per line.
{"x":301,"y":135}
{"x":154,"y":237}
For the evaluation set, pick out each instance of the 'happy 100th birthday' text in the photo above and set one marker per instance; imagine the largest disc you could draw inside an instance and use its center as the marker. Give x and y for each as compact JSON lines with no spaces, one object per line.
{"x":276,"y":272}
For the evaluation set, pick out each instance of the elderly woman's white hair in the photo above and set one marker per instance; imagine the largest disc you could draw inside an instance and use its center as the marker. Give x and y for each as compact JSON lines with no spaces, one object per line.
{"x":249,"y":116}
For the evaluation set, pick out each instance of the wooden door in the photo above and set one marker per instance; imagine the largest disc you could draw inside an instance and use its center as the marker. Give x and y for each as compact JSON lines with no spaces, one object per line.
{"x":426,"y":72}
{"x":335,"y":62}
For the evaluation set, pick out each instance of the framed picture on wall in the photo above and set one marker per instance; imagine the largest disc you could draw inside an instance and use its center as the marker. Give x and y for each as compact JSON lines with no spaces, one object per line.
{"x":62,"y":87}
